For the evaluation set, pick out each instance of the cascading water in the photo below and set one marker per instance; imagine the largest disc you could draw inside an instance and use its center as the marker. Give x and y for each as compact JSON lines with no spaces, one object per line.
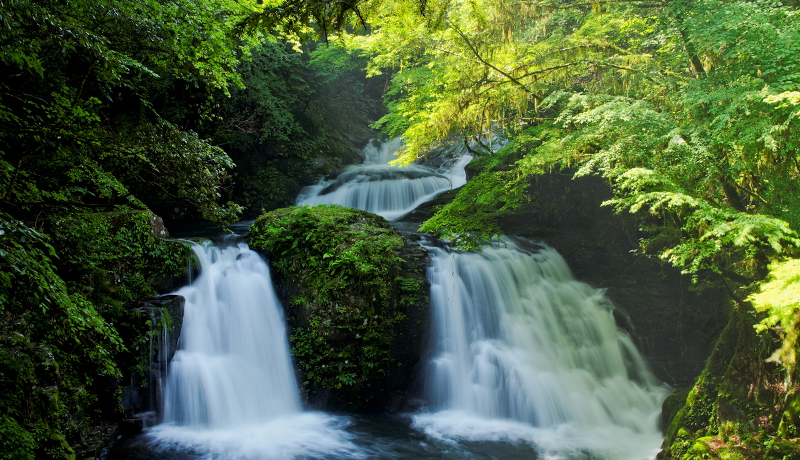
{"x":231,"y":391}
{"x":233,"y":346}
{"x":377,"y":187}
{"x":525,"y":352}
{"x":524,"y":355}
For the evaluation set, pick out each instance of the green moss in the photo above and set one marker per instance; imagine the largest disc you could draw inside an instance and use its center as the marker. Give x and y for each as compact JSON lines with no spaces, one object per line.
{"x":16,"y":443}
{"x":32,"y":415}
{"x":731,"y":454}
{"x":700,"y":449}
{"x":670,"y":411}
{"x":117,"y":256}
{"x":741,"y":406}
{"x":790,"y":420}
{"x":783,"y":449}
{"x":350,"y":294}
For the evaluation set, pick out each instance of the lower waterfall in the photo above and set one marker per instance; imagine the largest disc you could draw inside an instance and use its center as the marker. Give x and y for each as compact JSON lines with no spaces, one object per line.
{"x":231,"y":392}
{"x":525,"y":353}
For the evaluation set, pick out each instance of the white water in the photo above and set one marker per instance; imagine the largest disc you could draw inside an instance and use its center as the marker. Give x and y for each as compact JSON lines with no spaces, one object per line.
{"x":231,"y":392}
{"x":377,"y":187}
{"x":524,"y":352}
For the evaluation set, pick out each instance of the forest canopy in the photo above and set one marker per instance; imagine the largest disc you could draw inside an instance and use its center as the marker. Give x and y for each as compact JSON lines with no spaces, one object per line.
{"x":688,"y":109}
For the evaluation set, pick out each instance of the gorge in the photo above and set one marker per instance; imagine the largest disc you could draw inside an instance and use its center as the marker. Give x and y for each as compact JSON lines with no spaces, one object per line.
{"x":593,"y":216}
{"x":521,"y":358}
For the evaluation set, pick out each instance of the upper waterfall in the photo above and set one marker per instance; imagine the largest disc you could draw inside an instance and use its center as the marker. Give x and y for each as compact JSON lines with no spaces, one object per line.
{"x":377,"y":187}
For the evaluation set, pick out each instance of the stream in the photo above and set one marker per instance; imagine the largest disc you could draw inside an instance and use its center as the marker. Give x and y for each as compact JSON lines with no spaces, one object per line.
{"x":526,"y":362}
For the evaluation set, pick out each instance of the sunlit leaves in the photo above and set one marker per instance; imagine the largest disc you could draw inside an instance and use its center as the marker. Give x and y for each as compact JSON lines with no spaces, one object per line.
{"x":719,"y":239}
{"x":490,"y":63}
{"x":758,"y":38}
{"x":779,"y":298}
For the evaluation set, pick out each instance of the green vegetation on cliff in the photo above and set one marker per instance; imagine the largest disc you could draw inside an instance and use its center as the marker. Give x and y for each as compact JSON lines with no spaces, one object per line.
{"x":779,"y":300}
{"x":349,"y":299}
{"x":60,"y":301}
{"x":743,"y":405}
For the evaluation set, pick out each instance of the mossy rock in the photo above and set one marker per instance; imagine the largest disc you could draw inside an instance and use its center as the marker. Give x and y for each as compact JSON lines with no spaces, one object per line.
{"x":16,"y":443}
{"x":670,"y":411}
{"x":119,"y":255}
{"x":739,"y":407}
{"x":783,"y":449}
{"x":343,"y":277}
{"x":700,"y":449}
{"x":789,"y":426}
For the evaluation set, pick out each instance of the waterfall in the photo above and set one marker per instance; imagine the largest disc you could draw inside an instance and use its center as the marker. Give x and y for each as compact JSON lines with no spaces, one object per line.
{"x":377,"y":187}
{"x":523,"y":351}
{"x":231,"y":390}
{"x":232,"y":366}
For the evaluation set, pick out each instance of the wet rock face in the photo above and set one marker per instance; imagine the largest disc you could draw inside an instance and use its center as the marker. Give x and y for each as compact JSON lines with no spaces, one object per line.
{"x":157,"y":323}
{"x":673,"y":325}
{"x":409,"y":346}
{"x":742,"y":406}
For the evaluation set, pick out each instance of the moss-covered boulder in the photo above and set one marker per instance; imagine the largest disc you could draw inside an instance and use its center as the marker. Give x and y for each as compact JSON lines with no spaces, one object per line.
{"x":741,"y":406}
{"x":350,"y":294}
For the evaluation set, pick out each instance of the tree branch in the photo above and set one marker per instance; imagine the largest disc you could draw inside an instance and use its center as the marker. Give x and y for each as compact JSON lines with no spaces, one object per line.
{"x":485,"y":62}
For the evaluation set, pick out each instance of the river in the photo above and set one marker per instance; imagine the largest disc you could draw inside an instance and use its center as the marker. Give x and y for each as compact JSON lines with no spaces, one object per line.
{"x":527,"y":362}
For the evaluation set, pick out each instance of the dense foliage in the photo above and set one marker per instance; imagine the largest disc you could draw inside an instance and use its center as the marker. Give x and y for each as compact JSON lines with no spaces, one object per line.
{"x":350,"y":299}
{"x":61,"y":297}
{"x":688,"y":109}
{"x":108,"y":110}
{"x":77,"y":127}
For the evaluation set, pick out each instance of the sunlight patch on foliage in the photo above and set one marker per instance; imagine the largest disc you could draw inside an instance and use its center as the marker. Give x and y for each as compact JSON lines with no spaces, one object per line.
{"x":779,"y":298}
